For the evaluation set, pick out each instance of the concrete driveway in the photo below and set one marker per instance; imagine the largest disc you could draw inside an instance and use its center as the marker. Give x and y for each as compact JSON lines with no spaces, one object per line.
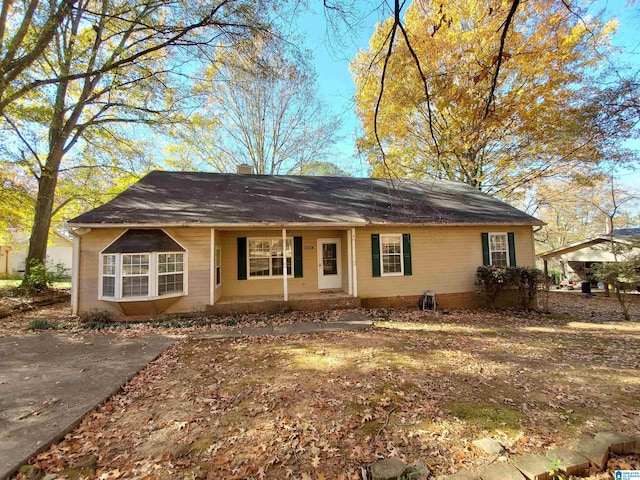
{"x":49,"y":381}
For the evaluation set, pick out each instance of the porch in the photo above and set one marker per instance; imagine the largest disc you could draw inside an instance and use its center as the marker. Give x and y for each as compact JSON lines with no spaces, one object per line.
{"x":313,"y":301}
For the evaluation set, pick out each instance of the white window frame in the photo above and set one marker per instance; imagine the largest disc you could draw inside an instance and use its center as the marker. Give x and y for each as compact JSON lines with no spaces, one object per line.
{"x":217,"y":272}
{"x":121,"y":275}
{"x":492,"y":251}
{"x":152,"y":274}
{"x":113,"y":275}
{"x":271,"y":275}
{"x":394,"y":236}
{"x":166,"y":274}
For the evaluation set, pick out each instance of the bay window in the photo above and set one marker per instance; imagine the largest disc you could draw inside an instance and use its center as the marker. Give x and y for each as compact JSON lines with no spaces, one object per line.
{"x":128,"y":273}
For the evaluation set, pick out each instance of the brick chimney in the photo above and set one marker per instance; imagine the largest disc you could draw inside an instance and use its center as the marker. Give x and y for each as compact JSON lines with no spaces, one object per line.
{"x":244,"y":169}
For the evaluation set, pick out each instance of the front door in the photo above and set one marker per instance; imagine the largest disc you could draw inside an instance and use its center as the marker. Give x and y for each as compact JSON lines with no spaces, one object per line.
{"x":329,"y":269}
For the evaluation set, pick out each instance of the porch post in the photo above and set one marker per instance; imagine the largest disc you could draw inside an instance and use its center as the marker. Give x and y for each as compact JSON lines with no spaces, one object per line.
{"x":284,"y":264}
{"x":212,"y":268}
{"x":353,"y":259}
{"x":349,"y":264}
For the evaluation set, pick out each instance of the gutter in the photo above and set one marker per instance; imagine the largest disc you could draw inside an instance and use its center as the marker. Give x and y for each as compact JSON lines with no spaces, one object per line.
{"x":301,"y":225}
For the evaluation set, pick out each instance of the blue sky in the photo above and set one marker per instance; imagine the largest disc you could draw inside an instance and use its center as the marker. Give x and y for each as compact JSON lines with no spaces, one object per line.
{"x":336,"y":85}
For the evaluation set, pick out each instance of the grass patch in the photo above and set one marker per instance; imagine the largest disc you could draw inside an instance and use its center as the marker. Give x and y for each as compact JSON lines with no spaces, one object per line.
{"x":487,"y":417}
{"x":40,"y":324}
{"x":371,"y":428}
{"x":9,"y":283}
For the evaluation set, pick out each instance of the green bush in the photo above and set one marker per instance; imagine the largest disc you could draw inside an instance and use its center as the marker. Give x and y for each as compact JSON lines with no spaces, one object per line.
{"x":97,"y":318}
{"x":492,"y":281}
{"x":39,"y":324}
{"x":41,"y":275}
{"x":528,"y":280}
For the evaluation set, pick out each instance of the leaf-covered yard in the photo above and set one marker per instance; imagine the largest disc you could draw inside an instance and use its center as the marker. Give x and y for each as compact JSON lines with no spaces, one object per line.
{"x":416,"y":386}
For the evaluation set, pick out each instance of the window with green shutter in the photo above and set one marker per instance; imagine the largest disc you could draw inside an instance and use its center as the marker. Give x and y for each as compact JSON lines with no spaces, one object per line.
{"x":391,"y":254}
{"x":499,"y":249}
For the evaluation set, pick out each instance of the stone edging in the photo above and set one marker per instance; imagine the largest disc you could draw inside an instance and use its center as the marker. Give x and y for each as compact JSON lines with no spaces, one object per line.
{"x":588,"y":452}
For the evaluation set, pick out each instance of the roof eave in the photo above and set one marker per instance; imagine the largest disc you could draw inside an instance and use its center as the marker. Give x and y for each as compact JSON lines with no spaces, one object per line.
{"x":301,"y":224}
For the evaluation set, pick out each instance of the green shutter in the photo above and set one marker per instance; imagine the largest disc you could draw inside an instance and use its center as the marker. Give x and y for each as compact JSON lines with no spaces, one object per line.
{"x":375,"y":254}
{"x":406,"y":253}
{"x":486,"y":258}
{"x":242,"y":258}
{"x":297,"y":257}
{"x":512,"y":249}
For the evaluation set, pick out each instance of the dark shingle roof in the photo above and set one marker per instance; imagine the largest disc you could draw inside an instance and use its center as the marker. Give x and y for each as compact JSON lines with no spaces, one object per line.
{"x":628,"y":234}
{"x":174,"y":198}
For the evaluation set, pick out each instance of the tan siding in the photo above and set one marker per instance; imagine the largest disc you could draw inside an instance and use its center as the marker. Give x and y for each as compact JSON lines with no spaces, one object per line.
{"x":195,"y":240}
{"x":91,"y":244}
{"x":444,"y":259}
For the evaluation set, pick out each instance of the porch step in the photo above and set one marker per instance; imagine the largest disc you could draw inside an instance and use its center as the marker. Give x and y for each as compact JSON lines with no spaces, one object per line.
{"x":277,"y":306}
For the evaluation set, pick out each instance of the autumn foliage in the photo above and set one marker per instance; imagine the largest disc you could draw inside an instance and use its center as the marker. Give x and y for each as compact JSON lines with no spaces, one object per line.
{"x":438,"y":123}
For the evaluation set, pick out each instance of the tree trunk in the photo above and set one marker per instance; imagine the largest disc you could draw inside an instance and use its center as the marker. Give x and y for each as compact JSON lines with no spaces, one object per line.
{"x":47,"y":182}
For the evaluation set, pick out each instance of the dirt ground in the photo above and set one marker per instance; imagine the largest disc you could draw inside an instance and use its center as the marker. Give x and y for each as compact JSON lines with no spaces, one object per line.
{"x":417,"y":386}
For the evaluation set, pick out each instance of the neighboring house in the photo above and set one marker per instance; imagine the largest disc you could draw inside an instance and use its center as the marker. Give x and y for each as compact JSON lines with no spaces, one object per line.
{"x":176,"y":242}
{"x":575,"y":260}
{"x":13,"y":257}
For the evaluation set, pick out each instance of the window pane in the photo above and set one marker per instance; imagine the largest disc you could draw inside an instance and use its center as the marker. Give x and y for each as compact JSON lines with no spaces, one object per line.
{"x":329,"y":259}
{"x":391,"y":264}
{"x":135,"y":286}
{"x":109,"y":265}
{"x":135,"y":264}
{"x":108,"y":286}
{"x":276,"y":248}
{"x":259,"y":267}
{"x":499,"y":259}
{"x":170,"y":284}
{"x":499,"y":242}
{"x":259,"y":248}
{"x":276,"y":266}
{"x":391,"y":245}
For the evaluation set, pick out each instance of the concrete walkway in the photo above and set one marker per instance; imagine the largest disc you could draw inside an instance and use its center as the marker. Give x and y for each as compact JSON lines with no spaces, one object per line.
{"x":50,"y":381}
{"x":349,"y":321}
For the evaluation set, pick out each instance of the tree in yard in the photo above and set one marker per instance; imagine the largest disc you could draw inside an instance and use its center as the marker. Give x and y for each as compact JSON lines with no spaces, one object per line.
{"x":320,"y":169}
{"x":622,"y":274}
{"x":574,"y":211}
{"x":259,"y":107}
{"x":625,"y":268}
{"x":109,"y":64}
{"x":26,"y":31}
{"x":452,"y":105}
